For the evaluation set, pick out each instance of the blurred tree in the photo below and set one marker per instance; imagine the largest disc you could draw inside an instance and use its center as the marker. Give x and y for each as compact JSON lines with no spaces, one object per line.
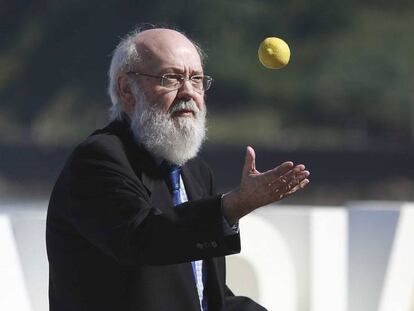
{"x":349,"y":78}
{"x":366,"y":78}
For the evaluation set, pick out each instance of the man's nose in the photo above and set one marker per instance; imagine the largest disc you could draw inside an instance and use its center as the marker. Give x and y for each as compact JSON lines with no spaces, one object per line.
{"x":187,"y":91}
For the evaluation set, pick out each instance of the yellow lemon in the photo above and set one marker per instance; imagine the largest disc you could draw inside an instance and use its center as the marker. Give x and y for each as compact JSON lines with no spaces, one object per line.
{"x":274,"y":53}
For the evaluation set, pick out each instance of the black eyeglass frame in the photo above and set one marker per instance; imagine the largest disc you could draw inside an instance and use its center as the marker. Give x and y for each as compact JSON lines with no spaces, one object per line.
{"x":207,"y":80}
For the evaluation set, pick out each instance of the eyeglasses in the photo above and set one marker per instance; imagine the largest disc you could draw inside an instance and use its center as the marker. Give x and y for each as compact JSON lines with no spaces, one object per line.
{"x":174,"y":81}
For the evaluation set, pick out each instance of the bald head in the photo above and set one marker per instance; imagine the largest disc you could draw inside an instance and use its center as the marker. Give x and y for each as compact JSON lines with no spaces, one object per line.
{"x":166,"y":48}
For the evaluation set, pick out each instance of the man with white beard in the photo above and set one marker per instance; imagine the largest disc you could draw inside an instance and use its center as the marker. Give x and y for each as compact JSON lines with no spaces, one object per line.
{"x":134,"y":222}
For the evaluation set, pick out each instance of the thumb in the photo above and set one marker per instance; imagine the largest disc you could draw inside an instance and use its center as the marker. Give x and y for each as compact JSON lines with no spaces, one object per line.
{"x":249,"y":161}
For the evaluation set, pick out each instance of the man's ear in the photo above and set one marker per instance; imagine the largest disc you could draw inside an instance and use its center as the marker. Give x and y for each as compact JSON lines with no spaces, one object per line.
{"x":125,"y":94}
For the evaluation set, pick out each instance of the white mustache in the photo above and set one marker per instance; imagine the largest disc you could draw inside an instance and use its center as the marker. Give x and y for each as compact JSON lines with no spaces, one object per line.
{"x":185,"y":105}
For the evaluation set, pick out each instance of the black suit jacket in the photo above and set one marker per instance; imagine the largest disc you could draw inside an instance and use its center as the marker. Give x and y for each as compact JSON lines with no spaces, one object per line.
{"x":114,"y":241}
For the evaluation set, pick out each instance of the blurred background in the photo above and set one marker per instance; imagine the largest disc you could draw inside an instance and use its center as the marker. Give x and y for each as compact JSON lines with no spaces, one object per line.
{"x":344,"y":105}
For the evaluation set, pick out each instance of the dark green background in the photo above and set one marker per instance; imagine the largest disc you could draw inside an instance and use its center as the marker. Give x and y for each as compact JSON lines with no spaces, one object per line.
{"x":344,"y":105}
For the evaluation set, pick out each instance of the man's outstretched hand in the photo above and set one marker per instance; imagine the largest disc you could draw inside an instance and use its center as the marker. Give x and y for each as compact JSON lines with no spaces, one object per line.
{"x":258,"y":189}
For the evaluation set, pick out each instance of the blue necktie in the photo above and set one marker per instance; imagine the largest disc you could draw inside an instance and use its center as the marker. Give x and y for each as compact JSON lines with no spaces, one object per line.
{"x":174,"y":172}
{"x":174,"y":175}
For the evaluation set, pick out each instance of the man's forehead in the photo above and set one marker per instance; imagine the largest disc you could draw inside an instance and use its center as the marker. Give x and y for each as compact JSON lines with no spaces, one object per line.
{"x":168,"y":45}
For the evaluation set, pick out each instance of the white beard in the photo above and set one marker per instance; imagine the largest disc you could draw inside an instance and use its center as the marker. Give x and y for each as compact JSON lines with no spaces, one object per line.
{"x":175,"y":139}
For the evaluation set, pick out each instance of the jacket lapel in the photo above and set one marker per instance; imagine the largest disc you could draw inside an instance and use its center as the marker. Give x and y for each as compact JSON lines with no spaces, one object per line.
{"x":193,"y":188}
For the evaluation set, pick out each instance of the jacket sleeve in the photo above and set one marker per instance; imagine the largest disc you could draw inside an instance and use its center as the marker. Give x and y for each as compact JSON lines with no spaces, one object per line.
{"x":110,"y":207}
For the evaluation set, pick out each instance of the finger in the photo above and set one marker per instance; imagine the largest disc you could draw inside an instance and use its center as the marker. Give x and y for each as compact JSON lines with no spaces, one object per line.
{"x":275,"y":173}
{"x":288,"y":181}
{"x":300,"y":186}
{"x":290,"y":175}
{"x":298,"y":173}
{"x":249,"y":161}
{"x":304,"y":183}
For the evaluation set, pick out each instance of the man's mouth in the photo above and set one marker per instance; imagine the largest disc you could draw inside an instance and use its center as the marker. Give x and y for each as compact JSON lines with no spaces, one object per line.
{"x":183,"y":113}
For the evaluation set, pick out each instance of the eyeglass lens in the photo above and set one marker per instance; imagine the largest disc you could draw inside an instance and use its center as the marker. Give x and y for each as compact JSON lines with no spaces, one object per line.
{"x":175,"y":81}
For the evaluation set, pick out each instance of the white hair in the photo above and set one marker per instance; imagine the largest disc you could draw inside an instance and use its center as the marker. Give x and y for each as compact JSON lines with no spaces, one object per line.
{"x":125,"y":58}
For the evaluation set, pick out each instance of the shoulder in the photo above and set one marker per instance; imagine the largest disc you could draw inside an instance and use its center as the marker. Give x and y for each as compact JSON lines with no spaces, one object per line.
{"x":108,"y":143}
{"x":115,"y":149}
{"x":99,"y":144}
